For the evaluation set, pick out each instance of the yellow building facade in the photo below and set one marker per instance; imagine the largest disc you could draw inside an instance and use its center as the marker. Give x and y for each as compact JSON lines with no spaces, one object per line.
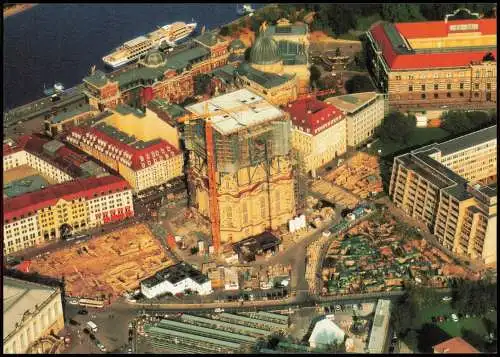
{"x":318,"y":132}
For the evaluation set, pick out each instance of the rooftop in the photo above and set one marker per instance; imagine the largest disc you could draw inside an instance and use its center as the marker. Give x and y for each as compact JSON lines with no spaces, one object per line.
{"x":20,"y":296}
{"x":252,"y":110}
{"x":263,"y":241}
{"x":289,"y":29}
{"x":378,"y":334}
{"x":326,"y":332}
{"x":173,"y":111}
{"x":430,"y":29}
{"x":25,"y":185}
{"x":312,"y":115}
{"x":398,"y":54}
{"x":89,"y":188}
{"x":209,"y":39}
{"x":454,"y":345}
{"x":266,"y":80}
{"x":351,"y":103}
{"x":468,"y":140}
{"x":98,"y":79}
{"x":69,"y":114}
{"x":175,"y":274}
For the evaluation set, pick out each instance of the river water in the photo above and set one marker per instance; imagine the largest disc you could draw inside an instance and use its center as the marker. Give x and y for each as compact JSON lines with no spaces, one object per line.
{"x":60,"y":42}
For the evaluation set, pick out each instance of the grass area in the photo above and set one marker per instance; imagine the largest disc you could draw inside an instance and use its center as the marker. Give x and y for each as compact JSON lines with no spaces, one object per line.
{"x":421,"y":136}
{"x":430,"y":331}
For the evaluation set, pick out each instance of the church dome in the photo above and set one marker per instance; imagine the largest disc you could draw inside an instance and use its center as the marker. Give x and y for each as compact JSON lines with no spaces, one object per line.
{"x":154,"y":58}
{"x":265,"y":51}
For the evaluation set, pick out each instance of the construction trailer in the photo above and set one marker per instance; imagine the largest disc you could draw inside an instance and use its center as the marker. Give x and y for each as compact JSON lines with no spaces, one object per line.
{"x":240,"y":165}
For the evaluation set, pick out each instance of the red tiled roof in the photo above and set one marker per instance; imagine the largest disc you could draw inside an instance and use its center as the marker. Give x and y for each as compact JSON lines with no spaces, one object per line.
{"x":160,"y":150}
{"x":312,"y":114}
{"x":33,"y":201}
{"x":454,"y":345}
{"x":431,"y":29}
{"x":24,"y":266}
{"x":422,"y":60}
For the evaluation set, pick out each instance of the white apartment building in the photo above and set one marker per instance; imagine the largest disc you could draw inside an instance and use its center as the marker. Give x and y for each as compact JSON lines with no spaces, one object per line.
{"x":176,"y":279}
{"x":364,"y":113}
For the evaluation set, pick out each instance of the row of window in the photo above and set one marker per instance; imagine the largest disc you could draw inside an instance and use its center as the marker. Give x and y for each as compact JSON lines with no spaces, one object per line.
{"x":449,"y":86}
{"x":442,"y":75}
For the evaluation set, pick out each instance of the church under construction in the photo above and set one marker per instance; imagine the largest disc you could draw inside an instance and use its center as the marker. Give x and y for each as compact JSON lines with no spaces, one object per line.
{"x":253,"y":185}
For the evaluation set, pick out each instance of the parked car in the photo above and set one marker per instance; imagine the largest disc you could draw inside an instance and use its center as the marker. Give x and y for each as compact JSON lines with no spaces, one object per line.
{"x":92,"y":336}
{"x":327,"y":234}
{"x":433,"y":319}
{"x":74,"y":322}
{"x":219,"y":310}
{"x":83,"y":312}
{"x":86,"y":330}
{"x":337,"y":308}
{"x":446,"y":298}
{"x":454,"y":317}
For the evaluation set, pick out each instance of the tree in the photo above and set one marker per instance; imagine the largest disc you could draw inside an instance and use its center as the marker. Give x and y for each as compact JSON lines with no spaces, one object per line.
{"x":359,"y":84}
{"x":194,"y":250}
{"x":397,"y":127}
{"x":224,"y":31}
{"x":247,"y":54}
{"x":201,"y":83}
{"x":315,"y":74}
{"x":456,"y":122}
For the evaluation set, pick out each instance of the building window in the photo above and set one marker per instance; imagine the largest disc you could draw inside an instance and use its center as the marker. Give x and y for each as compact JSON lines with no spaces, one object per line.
{"x":461,"y":85}
{"x":461,"y":94}
{"x":423,"y":96}
{"x":477,"y":74}
{"x":423,"y":86}
{"x":448,"y":86}
{"x":436,"y":86}
{"x":262,"y":207}
{"x":488,"y":86}
{"x":476,"y":94}
{"x":476,"y":85}
{"x":448,"y":95}
{"x":410,"y":88}
{"x":398,"y":78}
{"x":436,"y":96}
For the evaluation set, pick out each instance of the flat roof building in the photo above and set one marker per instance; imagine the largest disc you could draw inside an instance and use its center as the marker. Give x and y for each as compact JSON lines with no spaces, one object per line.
{"x":176,"y":279}
{"x":31,"y":312}
{"x":440,"y":184}
{"x":364,"y":112}
{"x":380,"y":328}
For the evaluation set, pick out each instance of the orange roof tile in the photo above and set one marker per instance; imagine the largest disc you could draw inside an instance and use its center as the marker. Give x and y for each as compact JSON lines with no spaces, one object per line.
{"x":313,"y":114}
{"x":423,"y":60}
{"x":429,"y":29}
{"x":33,"y":201}
{"x":454,"y":345}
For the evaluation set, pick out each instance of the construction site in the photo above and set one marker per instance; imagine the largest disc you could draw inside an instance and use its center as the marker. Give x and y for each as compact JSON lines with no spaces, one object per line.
{"x":106,"y":266}
{"x":378,"y":255}
{"x":241,"y":175}
{"x":359,"y":175}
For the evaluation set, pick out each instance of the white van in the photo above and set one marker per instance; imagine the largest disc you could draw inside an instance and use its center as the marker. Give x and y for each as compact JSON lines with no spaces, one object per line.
{"x":92,"y":326}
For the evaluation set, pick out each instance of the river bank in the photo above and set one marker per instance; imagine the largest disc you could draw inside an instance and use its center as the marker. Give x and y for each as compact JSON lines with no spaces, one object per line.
{"x":12,"y":10}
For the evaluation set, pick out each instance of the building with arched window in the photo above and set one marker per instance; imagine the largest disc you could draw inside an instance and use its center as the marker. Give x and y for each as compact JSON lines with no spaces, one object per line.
{"x":30,"y":311}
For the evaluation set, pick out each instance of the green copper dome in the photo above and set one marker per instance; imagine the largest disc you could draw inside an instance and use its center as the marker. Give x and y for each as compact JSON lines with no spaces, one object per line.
{"x":154,"y":58}
{"x":265,"y":51}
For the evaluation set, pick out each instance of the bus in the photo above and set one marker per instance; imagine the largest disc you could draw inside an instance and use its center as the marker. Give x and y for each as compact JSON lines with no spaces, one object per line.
{"x":91,"y":303}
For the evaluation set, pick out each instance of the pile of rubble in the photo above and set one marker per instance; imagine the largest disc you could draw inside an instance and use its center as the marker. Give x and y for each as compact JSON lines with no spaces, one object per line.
{"x":360,"y":175}
{"x":108,"y":265}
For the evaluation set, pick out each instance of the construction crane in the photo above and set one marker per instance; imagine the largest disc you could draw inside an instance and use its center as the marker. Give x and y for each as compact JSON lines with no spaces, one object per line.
{"x":316,"y":94}
{"x":212,"y":183}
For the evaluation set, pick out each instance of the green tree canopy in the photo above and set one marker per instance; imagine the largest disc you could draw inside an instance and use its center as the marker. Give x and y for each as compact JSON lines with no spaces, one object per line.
{"x":315,"y":74}
{"x":201,"y":83}
{"x":224,"y":31}
{"x":359,"y":84}
{"x":397,"y":127}
{"x":456,"y":122}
